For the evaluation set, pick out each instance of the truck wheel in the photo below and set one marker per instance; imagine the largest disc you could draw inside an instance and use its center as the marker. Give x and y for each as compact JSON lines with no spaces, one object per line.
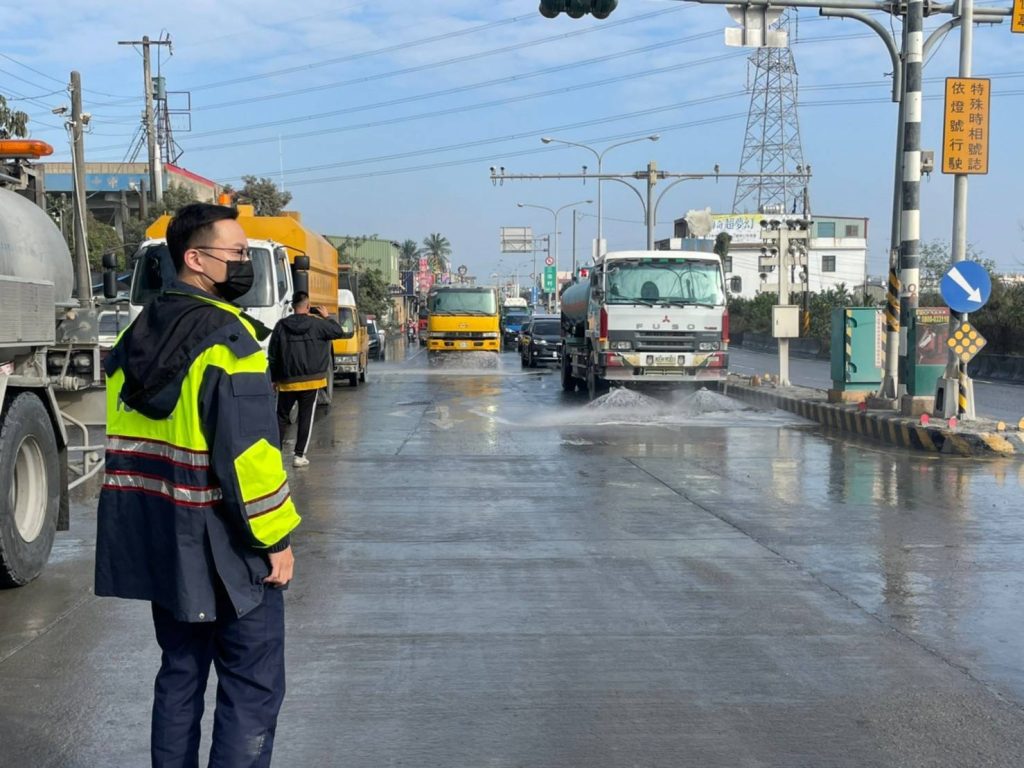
{"x":362,"y":375}
{"x":29,"y":490}
{"x":595,"y":384}
{"x":568,"y":380}
{"x":353,"y":379}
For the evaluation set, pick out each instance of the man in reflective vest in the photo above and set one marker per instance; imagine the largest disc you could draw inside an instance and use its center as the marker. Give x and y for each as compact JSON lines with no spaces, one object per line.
{"x":195,"y":512}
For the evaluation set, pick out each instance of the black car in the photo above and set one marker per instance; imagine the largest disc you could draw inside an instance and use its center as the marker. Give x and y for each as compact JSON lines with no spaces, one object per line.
{"x":376,"y":349}
{"x":541,"y":340}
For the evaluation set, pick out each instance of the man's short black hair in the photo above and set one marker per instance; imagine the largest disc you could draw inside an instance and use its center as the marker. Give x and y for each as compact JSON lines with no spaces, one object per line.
{"x":298,"y":297}
{"x":189,"y":224}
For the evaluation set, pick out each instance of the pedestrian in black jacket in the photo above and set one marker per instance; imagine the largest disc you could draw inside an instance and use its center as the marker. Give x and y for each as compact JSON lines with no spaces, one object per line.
{"x":300,"y":357}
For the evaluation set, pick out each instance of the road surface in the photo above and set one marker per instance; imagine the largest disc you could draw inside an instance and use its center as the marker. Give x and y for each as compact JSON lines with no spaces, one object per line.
{"x":494,"y":573}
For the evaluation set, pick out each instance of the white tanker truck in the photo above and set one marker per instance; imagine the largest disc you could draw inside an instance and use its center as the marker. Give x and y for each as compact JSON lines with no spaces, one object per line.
{"x":48,"y":345}
{"x":643,"y":317}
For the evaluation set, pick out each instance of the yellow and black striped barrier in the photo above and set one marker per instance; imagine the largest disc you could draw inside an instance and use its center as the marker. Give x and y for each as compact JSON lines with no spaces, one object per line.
{"x":884,"y":426}
{"x":892,"y":302}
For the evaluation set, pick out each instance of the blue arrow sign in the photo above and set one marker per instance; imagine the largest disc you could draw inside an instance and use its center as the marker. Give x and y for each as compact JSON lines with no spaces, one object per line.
{"x":966,"y":287}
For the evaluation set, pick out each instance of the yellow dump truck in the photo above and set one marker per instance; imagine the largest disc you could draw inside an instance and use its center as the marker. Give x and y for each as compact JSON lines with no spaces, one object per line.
{"x":287,"y":257}
{"x":351,"y":355}
{"x":462,"y":319}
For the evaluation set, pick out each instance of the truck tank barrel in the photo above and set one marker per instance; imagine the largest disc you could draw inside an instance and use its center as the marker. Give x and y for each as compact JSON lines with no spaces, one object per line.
{"x":32,"y":247}
{"x":575,"y":300}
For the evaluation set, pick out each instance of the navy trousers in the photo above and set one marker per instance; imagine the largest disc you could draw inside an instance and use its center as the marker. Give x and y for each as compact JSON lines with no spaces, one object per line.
{"x":248,"y":653}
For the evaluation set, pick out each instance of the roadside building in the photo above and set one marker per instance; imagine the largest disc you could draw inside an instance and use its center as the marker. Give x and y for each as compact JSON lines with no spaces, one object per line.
{"x":837,"y":252}
{"x":114,"y":190}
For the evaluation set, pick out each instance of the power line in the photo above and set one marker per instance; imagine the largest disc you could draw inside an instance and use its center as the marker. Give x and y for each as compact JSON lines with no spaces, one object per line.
{"x":469,"y":107}
{"x":479,"y":105}
{"x":658,"y":129}
{"x":444,"y":62}
{"x":54,"y":79}
{"x":362,"y":54}
{"x":460,"y":89}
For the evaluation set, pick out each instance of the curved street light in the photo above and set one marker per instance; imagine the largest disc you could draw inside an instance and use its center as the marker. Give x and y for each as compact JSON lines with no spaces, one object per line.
{"x":554,"y":212}
{"x":600,"y":159}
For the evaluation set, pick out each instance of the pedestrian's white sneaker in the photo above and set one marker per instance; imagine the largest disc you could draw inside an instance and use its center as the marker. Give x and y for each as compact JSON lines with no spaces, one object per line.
{"x":300,"y":461}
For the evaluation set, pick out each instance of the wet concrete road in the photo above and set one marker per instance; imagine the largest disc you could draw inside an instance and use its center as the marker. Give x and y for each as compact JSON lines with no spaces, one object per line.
{"x":492,"y":573}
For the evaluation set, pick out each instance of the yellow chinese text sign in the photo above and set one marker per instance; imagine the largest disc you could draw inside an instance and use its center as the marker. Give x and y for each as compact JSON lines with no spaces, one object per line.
{"x":966,"y":125}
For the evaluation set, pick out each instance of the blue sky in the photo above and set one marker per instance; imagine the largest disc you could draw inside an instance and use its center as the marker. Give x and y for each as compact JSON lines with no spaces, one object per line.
{"x":386,"y":115}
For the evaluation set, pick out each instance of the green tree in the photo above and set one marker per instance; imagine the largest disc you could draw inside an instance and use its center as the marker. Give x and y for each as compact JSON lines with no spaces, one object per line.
{"x":937,"y":258}
{"x":13,"y":122}
{"x":263,"y":195}
{"x":102,"y":238}
{"x":373,"y":293}
{"x":176,"y":197}
{"x":437,"y":250}
{"x":408,"y":256}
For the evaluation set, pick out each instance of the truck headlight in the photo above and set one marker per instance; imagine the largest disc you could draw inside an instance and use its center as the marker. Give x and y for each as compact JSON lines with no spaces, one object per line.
{"x":709,"y":346}
{"x":489,"y":335}
{"x":622,"y":345}
{"x":82,"y":361}
{"x":345,"y":359}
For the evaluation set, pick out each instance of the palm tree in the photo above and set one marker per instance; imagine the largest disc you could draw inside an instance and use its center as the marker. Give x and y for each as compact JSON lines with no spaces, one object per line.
{"x":408,"y":256}
{"x":438,"y":249}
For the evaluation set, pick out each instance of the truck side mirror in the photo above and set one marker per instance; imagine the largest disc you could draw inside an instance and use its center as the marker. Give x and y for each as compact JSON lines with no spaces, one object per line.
{"x":110,"y":284}
{"x":110,"y":260}
{"x":301,"y":262}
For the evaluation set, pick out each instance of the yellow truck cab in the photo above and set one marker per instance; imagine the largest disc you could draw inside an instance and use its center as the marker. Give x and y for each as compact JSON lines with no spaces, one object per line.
{"x":463,"y":319}
{"x":352,"y":355}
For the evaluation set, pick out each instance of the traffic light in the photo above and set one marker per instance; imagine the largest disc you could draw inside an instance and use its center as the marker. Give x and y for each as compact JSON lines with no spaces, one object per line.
{"x":599,"y":9}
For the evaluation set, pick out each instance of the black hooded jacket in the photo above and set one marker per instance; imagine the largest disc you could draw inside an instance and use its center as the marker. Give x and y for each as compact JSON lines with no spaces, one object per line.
{"x":300,"y":351}
{"x":178,"y":511}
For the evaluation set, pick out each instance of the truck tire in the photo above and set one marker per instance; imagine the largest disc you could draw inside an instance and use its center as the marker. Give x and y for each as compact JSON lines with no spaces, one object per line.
{"x":353,"y":379}
{"x":596,"y":386}
{"x":362,"y":374}
{"x":568,"y":380}
{"x":29,"y":490}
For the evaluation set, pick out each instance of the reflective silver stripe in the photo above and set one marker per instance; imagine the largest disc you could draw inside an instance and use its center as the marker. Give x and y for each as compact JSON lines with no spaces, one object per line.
{"x":184,"y":456}
{"x":176,"y":493}
{"x":268,"y":503}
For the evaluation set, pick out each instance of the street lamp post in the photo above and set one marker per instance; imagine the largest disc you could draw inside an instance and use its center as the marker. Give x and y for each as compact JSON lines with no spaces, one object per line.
{"x":600,"y":164}
{"x":554,"y":212}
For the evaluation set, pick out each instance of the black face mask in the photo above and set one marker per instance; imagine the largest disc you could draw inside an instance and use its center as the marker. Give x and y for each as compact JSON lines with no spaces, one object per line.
{"x":238,"y":281}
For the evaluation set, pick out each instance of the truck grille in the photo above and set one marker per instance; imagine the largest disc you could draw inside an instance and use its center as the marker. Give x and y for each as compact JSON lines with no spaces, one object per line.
{"x":462,"y":334}
{"x":665,"y":341}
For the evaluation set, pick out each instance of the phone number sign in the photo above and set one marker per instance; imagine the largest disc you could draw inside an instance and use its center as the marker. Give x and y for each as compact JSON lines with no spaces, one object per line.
{"x":966,"y":125}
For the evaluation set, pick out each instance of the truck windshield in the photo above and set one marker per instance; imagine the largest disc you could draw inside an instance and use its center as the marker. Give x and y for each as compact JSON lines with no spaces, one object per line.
{"x":517,"y":316}
{"x":665,"y":281}
{"x":458,"y":302}
{"x":347,"y":320}
{"x":153,"y":270}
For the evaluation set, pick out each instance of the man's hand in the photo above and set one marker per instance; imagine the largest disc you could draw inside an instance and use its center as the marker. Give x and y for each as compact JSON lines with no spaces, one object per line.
{"x":282,"y":564}
{"x":322,"y":312}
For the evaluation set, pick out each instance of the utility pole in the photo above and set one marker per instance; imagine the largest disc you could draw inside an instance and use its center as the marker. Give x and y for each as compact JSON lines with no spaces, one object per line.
{"x":651,"y":175}
{"x":652,"y":179}
{"x":956,"y":370}
{"x":908,"y":61}
{"x":83,"y":277}
{"x":156,"y":170}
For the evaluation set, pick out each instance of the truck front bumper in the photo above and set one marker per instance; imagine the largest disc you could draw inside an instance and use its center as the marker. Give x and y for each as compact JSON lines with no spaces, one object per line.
{"x":666,"y":366}
{"x":463,"y":345}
